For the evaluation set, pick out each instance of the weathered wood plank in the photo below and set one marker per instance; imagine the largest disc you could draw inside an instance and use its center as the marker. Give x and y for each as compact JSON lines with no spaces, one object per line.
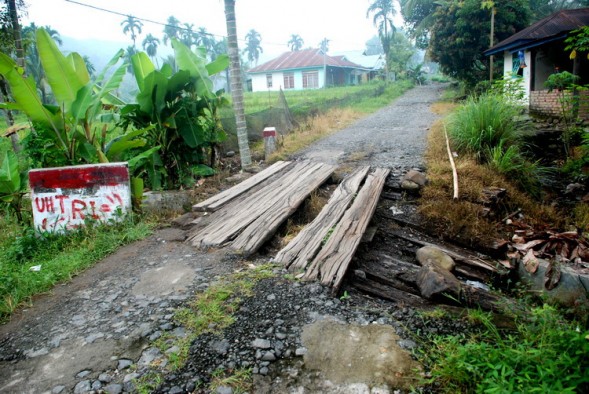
{"x":261,"y":229}
{"x":228,"y":222}
{"x":218,"y":200}
{"x":461,"y":257}
{"x":301,"y":250}
{"x":389,"y":293}
{"x":332,"y":262}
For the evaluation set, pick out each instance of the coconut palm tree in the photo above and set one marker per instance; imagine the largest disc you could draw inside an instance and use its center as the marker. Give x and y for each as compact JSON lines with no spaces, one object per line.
{"x":253,"y":39}
{"x":187,"y":35}
{"x":383,"y":12}
{"x":324,"y":45}
{"x":89,"y":65}
{"x":172,"y":29}
{"x":236,"y":84}
{"x":295,"y":43}
{"x":150,"y":44}
{"x":205,"y":39}
{"x":132,"y":26}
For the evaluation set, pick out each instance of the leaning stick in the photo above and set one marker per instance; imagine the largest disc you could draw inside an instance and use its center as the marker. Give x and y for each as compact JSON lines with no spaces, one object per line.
{"x":454,"y":172}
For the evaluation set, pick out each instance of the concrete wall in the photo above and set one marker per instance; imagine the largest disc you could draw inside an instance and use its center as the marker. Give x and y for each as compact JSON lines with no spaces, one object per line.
{"x":259,"y":80}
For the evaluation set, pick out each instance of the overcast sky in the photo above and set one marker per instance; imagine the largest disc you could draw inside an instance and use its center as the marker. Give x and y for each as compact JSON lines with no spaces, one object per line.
{"x":344,"y":22}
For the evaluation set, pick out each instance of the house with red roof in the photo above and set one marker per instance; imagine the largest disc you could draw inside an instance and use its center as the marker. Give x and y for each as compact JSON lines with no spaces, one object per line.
{"x":537,"y":51}
{"x":306,"y":69}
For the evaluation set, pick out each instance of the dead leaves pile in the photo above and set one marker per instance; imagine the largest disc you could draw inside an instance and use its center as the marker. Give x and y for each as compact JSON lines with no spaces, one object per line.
{"x":558,"y":249}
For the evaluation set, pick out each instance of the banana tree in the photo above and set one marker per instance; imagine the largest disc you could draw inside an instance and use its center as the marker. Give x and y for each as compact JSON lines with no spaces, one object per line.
{"x":75,"y":124}
{"x":182,"y":108}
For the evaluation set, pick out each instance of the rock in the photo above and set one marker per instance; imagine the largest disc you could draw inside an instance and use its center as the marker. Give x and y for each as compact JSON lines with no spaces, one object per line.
{"x":57,"y":389}
{"x":96,"y":385}
{"x":415,"y":177}
{"x":264,"y":371}
{"x":410,"y":186}
{"x":83,"y":374}
{"x":269,"y":356}
{"x":261,"y":343}
{"x":105,"y":378}
{"x":229,"y":153}
{"x":220,"y":347}
{"x":114,"y":388}
{"x":407,"y":344}
{"x":432,"y":255}
{"x":82,"y":387}
{"x":301,"y":351}
{"x":124,"y":364}
{"x":570,"y":291}
{"x":130,"y":376}
{"x":433,"y":280}
{"x":574,"y":188}
{"x":224,"y":390}
{"x":175,"y":390}
{"x":148,"y":356}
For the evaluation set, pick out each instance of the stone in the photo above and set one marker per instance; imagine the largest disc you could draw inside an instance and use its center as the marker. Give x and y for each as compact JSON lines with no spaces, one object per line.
{"x":415,"y":177}
{"x":433,"y":281}
{"x":432,"y":255}
{"x":301,"y":351}
{"x":130,"y":376}
{"x":224,"y":390}
{"x":221,"y":347}
{"x":269,"y":356}
{"x":83,"y":374}
{"x":57,"y":389}
{"x":148,"y":356}
{"x":93,"y":337}
{"x":96,"y":385}
{"x":113,"y":388}
{"x":105,"y":378}
{"x":124,"y":364}
{"x":410,"y":186}
{"x":570,"y":291}
{"x":82,"y":387}
{"x":261,"y":343}
{"x":175,"y":390}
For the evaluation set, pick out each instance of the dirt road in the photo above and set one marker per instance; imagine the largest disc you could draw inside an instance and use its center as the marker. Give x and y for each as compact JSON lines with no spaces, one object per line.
{"x":96,"y":333}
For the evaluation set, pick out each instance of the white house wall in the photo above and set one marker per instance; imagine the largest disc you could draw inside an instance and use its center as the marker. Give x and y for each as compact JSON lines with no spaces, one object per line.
{"x":508,"y":67}
{"x":259,"y":81}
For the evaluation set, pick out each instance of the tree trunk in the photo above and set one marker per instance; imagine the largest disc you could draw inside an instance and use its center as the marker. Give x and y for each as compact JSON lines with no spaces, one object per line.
{"x":20,"y":60}
{"x":236,"y":85}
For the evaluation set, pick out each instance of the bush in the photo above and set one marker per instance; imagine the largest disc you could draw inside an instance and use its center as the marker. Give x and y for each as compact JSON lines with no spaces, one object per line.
{"x":482,"y":124}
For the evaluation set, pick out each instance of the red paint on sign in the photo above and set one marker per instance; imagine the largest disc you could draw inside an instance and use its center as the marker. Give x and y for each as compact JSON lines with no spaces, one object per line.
{"x":76,"y":178}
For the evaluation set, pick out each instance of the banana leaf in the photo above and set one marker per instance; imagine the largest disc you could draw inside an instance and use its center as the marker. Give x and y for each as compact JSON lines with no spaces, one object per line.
{"x":9,"y":176}
{"x":142,"y":67}
{"x":218,"y":65}
{"x":79,"y":66}
{"x":195,"y":65}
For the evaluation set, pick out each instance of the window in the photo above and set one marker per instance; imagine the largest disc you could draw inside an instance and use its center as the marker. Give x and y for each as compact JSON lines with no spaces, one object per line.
{"x":311,"y":79}
{"x":268,"y":80}
{"x":288,"y":80}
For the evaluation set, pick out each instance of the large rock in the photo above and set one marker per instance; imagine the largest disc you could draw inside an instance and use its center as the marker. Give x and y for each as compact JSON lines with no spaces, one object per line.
{"x":432,"y":255}
{"x":433,"y":281}
{"x":415,"y":177}
{"x":571,"y":289}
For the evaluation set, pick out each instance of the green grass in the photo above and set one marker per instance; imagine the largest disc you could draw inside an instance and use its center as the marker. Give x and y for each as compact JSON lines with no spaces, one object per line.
{"x":544,"y":354}
{"x":60,"y":256}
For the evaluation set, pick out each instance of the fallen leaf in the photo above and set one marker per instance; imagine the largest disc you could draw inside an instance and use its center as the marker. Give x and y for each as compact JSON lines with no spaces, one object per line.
{"x":552,"y":276}
{"x":530,"y":262}
{"x":529,"y":245}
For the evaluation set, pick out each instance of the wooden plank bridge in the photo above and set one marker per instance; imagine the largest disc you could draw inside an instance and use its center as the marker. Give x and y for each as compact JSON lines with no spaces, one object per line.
{"x":245,"y":216}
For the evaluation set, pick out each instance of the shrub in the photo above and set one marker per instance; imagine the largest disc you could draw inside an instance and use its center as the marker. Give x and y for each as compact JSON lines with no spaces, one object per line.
{"x":482,"y":124}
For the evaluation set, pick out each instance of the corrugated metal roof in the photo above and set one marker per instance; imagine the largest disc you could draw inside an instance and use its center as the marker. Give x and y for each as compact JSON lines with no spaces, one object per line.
{"x":550,"y":28}
{"x":306,"y":58}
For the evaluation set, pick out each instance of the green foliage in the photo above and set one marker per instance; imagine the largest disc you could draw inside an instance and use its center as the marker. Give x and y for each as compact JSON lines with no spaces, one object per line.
{"x":560,"y":81}
{"x":60,"y":256}
{"x":482,"y":124}
{"x":544,"y":354}
{"x":460,"y":34}
{"x":511,"y":88}
{"x":179,"y":112}
{"x":578,"y":41}
{"x":13,"y":184}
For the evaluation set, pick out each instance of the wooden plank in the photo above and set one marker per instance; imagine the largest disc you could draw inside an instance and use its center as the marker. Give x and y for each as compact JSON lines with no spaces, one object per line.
{"x":261,"y":229}
{"x":332,"y":262}
{"x":229,"y":221}
{"x":389,"y":293}
{"x":458,"y":256}
{"x":218,"y":200}
{"x":301,"y":250}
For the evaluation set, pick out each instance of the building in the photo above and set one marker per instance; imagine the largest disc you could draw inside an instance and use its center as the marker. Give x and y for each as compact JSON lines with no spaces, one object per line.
{"x":538,"y":51}
{"x":305,"y":69}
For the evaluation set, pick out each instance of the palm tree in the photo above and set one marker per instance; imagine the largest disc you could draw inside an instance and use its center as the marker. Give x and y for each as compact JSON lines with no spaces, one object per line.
{"x":131,"y":50}
{"x":89,"y":65}
{"x":295,"y":43}
{"x":172,"y":29}
{"x":236,"y":84}
{"x":132,"y":26}
{"x":324,"y":45}
{"x":253,"y":39}
{"x":20,"y":54}
{"x":171,"y":61}
{"x":150,"y":44}
{"x":187,"y":36}
{"x":382,"y":17}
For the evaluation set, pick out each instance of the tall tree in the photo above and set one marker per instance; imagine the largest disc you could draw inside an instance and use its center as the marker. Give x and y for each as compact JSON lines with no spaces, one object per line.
{"x":253,"y":48}
{"x":172,"y":29}
{"x":324,"y":45}
{"x":187,"y":35}
{"x":150,"y":44}
{"x":418,"y":16}
{"x":205,"y":40}
{"x":460,"y":34}
{"x":132,"y":26}
{"x":236,"y":84}
{"x":373,"y":47}
{"x":383,"y":12}
{"x":295,"y":43}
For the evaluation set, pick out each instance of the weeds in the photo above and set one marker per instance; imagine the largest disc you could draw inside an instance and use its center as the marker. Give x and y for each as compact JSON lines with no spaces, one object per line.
{"x":544,"y":354}
{"x":60,"y":257}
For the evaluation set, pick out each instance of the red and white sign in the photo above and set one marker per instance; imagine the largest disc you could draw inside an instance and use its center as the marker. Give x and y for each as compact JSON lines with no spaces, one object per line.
{"x":64,"y":197}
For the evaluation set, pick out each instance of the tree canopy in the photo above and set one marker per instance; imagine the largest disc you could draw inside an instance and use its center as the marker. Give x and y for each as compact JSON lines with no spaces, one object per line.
{"x":295,"y":43}
{"x":253,"y":48}
{"x":460,"y":34}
